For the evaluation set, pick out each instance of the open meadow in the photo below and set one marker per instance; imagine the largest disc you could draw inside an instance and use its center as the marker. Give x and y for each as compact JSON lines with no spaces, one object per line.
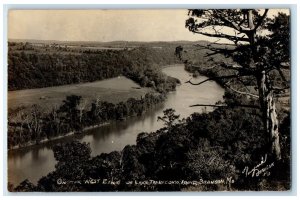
{"x":111,"y":90}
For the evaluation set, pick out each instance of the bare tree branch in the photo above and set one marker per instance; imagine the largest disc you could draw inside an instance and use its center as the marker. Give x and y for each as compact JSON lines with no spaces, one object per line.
{"x":244,"y":84}
{"x":261,"y":19}
{"x":282,"y":95}
{"x":211,"y":79}
{"x":222,"y":35}
{"x":224,"y":51}
{"x":280,"y":89}
{"x":281,"y":74}
{"x":241,"y":81}
{"x":211,"y":46}
{"x":232,"y":66}
{"x":240,"y":92}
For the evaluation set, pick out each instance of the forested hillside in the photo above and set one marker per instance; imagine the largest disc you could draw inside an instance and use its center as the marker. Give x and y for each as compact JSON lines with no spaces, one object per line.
{"x":192,"y":155}
{"x":35,"y":66}
{"x":29,"y":126}
{"x":31,"y":66}
{"x":243,"y":144}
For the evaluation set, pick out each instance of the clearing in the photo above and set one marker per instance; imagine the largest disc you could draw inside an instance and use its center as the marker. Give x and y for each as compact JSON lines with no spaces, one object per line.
{"x":111,"y":90}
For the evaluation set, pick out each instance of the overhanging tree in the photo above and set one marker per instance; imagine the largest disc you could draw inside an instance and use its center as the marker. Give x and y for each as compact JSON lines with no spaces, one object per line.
{"x":261,"y":48}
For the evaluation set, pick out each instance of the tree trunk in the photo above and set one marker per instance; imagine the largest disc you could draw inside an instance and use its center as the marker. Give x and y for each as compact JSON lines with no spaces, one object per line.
{"x":250,"y":20}
{"x":251,"y":33}
{"x":269,"y":115}
{"x":273,"y":126}
{"x":266,"y":99}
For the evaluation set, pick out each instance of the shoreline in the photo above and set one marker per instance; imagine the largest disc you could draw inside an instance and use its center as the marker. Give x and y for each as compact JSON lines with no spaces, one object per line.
{"x":45,"y":141}
{"x":68,"y":135}
{"x":72,"y":133}
{"x":47,"y":148}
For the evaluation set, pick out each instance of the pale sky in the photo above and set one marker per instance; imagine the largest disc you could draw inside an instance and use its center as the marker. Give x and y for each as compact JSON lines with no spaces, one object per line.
{"x":100,"y":25}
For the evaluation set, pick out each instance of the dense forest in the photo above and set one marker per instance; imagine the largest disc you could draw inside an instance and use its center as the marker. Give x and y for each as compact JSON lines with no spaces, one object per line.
{"x":27,"y":126}
{"x":191,"y":154}
{"x":187,"y":154}
{"x":32,"y":66}
{"x":226,"y":149}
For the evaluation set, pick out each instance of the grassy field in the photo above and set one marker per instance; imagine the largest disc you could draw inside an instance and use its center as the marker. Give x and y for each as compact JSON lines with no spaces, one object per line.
{"x":111,"y":90}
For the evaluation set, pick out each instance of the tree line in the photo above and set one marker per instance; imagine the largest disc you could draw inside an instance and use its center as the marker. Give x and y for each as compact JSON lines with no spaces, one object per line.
{"x":31,"y":67}
{"x":185,"y":149}
{"x":35,"y":68}
{"x":32,"y":125}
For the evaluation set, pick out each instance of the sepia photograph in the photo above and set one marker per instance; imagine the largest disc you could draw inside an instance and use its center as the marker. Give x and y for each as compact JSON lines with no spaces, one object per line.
{"x":149,"y":100}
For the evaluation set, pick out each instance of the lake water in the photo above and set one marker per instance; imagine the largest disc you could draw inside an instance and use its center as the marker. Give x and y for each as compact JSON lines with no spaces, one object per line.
{"x":37,"y":161}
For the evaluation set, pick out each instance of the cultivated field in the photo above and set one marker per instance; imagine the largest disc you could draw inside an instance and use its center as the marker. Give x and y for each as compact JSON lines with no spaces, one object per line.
{"x":111,"y":90}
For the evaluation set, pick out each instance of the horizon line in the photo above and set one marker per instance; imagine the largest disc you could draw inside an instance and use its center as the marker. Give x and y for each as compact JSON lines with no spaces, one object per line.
{"x":104,"y":41}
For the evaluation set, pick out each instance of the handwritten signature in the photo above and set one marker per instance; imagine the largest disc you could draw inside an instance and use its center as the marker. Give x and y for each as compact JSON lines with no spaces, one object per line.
{"x":261,"y":169}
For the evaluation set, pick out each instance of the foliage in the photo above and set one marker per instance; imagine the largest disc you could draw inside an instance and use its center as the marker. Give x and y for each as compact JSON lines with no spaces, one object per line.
{"x":169,"y":117}
{"x":72,"y":116}
{"x":193,"y":149}
{"x":70,"y":112}
{"x":255,"y":56}
{"x":204,"y":146}
{"x":75,"y":152}
{"x":40,"y":68}
{"x":24,"y":186}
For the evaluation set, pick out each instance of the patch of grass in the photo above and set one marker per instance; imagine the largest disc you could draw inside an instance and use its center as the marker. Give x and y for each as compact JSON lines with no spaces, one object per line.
{"x":111,"y":90}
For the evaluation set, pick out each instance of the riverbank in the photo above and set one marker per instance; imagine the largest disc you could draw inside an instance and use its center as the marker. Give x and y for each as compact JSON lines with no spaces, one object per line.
{"x":180,"y":148}
{"x":34,"y":162}
{"x":45,"y":141}
{"x":74,"y":115}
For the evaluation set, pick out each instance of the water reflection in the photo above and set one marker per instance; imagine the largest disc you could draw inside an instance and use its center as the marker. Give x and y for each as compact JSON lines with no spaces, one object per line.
{"x":34,"y":162}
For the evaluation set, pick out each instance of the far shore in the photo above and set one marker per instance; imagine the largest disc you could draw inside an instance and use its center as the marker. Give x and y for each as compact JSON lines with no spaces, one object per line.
{"x":45,"y":141}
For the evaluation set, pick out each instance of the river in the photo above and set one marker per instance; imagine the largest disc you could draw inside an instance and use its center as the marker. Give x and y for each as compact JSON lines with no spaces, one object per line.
{"x":37,"y":161}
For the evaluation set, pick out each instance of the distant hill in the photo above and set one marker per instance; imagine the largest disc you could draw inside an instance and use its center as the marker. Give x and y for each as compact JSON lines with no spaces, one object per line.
{"x":35,"y":65}
{"x":112,"y":43}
